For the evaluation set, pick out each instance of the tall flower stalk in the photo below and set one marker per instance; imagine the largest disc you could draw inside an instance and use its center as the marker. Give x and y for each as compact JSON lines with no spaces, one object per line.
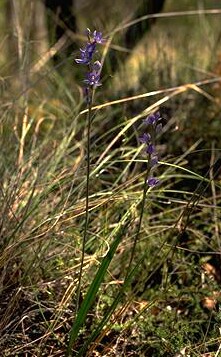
{"x":154,"y":126}
{"x":91,"y":82}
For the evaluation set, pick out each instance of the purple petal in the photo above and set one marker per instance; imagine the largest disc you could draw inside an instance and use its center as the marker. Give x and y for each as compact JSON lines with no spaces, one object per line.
{"x":98,"y":37}
{"x":96,"y":66}
{"x":150,"y":149}
{"x":145,"y":138}
{"x":152,"y":181}
{"x":90,"y":48}
{"x":93,"y":79}
{"x":152,"y":118}
{"x":81,"y":61}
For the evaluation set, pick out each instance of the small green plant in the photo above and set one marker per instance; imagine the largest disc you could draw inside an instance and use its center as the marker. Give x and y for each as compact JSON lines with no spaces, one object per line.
{"x":154,"y":124}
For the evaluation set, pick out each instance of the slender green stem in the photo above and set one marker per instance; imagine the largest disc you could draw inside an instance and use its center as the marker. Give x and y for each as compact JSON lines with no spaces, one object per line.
{"x":145,"y":188}
{"x":89,"y":117}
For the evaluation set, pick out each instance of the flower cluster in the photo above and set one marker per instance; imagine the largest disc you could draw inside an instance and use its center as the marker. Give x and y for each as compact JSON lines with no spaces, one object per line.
{"x":154,"y":125}
{"x":93,"y":77}
{"x":87,"y":54}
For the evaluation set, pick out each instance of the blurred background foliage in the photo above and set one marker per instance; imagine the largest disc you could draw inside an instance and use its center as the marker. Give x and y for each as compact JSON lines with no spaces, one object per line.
{"x":42,"y":176}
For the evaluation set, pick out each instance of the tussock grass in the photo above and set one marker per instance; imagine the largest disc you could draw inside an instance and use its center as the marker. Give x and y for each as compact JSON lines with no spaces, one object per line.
{"x":164,"y":301}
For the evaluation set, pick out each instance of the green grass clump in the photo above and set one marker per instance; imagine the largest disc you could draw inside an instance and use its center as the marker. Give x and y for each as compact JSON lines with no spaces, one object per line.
{"x":150,"y":286}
